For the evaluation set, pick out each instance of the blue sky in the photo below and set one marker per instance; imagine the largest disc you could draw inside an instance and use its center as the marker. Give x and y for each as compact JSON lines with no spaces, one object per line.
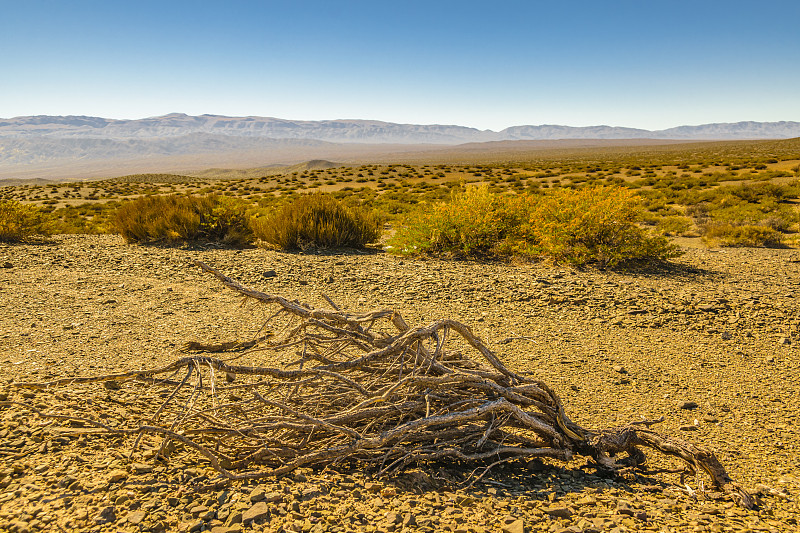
{"x":647,"y":63}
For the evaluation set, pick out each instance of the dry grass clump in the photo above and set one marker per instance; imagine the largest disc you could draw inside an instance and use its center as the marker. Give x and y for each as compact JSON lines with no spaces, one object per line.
{"x":591,"y":225}
{"x":747,"y":236}
{"x":317,"y":220}
{"x":21,"y":222}
{"x":185,"y":219}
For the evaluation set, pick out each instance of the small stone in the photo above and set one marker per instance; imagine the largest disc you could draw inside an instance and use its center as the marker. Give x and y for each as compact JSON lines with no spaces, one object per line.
{"x":620,"y":369}
{"x":710,"y":418}
{"x":689,"y":427}
{"x":726,"y":336}
{"x":558,"y":512}
{"x":625,"y":507}
{"x":517,"y":526}
{"x":273,"y":497}
{"x":6,"y":264}
{"x":409,"y":520}
{"x":198,"y":510}
{"x":136,"y":517}
{"x":105,"y":516}
{"x":141,"y":468}
{"x":393,"y":518}
{"x":234,"y":518}
{"x":687,"y":405}
{"x":226,"y":529}
{"x":257,"y":495}
{"x":389,"y":492}
{"x":270,"y":274}
{"x":256,"y":512}
{"x":372,"y":487}
{"x":194,"y":525}
{"x":300,"y":478}
{"x":117,"y":475}
{"x":784,"y":341}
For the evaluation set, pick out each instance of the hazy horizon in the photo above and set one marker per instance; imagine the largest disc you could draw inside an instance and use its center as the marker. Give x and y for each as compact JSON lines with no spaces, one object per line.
{"x":635,"y":64}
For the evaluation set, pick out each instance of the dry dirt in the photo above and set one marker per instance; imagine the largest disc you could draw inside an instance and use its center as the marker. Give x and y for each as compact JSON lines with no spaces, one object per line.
{"x":719,"y":329}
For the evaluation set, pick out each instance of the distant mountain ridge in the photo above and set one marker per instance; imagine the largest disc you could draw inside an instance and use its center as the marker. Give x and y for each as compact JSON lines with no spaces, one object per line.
{"x":363,"y":131}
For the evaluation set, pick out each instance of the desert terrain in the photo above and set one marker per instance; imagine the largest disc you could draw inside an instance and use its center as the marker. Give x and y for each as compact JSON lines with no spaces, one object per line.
{"x":708,"y":342}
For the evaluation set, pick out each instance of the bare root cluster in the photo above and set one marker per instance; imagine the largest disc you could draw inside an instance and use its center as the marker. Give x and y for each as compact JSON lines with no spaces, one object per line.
{"x":363,"y":388}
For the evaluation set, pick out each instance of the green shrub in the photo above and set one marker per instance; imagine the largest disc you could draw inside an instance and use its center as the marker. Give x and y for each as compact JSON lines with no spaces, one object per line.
{"x":21,"y":222}
{"x":674,"y":225}
{"x":320,"y":221}
{"x":589,"y":225}
{"x":471,"y":224}
{"x":175,"y":218}
{"x":742,"y":236}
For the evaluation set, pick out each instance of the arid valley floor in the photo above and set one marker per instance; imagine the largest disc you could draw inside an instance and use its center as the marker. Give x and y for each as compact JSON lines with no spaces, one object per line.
{"x":718,"y":329}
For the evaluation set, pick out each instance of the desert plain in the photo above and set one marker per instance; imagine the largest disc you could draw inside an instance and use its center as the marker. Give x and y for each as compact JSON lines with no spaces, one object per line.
{"x":709,"y":342}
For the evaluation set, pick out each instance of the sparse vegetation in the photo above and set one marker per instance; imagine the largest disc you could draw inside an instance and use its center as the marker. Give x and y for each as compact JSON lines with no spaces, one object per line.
{"x":742,"y":236}
{"x":683,"y":188}
{"x":20,"y":222}
{"x":317,"y":220}
{"x":174,"y":219}
{"x":591,"y":225}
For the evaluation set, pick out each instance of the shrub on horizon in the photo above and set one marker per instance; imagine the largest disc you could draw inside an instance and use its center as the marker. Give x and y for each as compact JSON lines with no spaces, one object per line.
{"x":317,"y":221}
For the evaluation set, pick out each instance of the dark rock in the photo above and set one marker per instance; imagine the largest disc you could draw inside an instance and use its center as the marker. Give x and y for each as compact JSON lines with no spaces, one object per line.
{"x":687,"y":405}
{"x":106,"y":515}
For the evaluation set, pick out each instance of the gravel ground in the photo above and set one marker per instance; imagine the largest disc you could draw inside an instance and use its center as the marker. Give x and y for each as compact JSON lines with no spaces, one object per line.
{"x":709,"y":343}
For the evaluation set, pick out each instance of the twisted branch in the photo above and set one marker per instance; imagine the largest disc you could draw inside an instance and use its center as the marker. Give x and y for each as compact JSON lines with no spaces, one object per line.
{"x":367,"y":388}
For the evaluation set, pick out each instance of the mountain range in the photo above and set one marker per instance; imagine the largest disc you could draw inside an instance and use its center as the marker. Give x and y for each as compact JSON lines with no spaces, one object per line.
{"x":364,"y":131}
{"x":58,"y":147}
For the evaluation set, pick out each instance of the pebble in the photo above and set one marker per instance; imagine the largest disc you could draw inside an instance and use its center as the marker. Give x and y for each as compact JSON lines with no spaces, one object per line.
{"x":136,"y":517}
{"x":256,"y":512}
{"x":516,"y":526}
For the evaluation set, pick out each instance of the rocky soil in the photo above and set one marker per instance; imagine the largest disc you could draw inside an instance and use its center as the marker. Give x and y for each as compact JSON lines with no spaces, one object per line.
{"x":709,"y":343}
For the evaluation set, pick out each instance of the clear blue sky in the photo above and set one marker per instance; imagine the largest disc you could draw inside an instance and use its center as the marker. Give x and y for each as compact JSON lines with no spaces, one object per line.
{"x":491,"y":64}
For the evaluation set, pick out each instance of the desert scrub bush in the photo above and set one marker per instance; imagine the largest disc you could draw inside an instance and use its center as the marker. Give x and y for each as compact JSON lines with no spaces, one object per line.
{"x":184,"y":219}
{"x":471,"y":224}
{"x":750,"y":236}
{"x":317,"y":220}
{"x":595,"y":225}
{"x":22,"y":222}
{"x":592,"y":225}
{"x":675,"y":225}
